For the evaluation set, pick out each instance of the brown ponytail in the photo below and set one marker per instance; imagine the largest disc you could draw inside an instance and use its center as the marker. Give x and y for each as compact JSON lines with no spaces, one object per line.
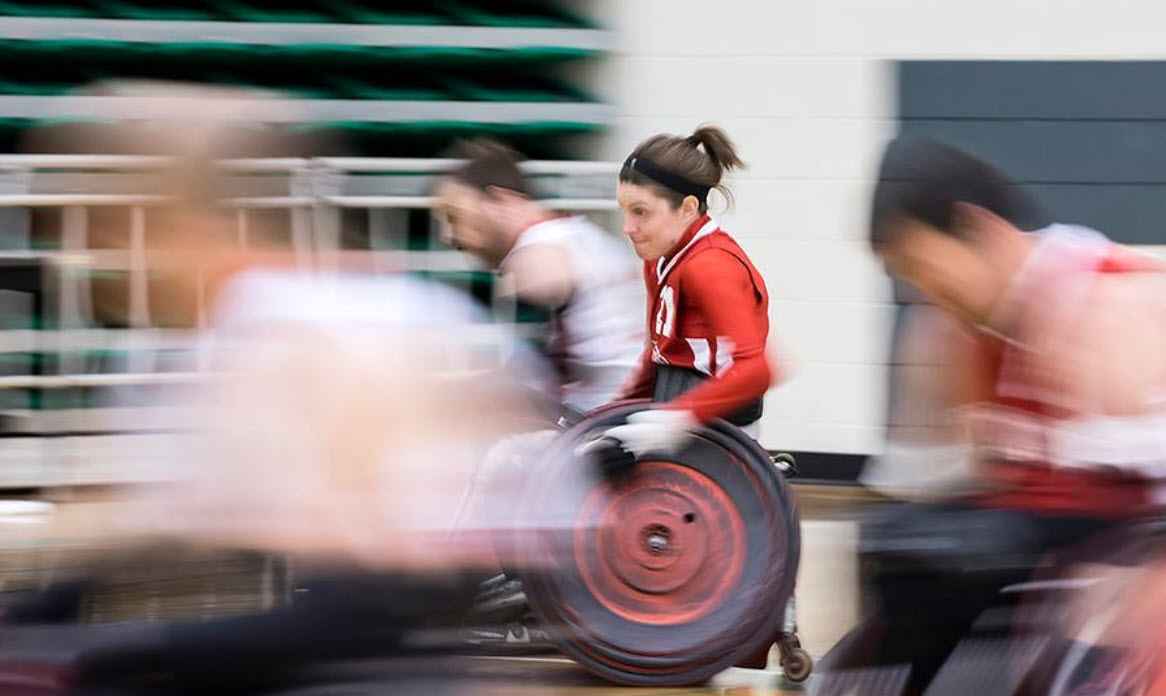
{"x":702,"y":158}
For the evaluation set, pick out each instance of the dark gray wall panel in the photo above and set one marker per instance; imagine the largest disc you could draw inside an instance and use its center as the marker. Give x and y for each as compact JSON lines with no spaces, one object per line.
{"x":1089,"y":138}
{"x":1130,"y":214}
{"x":1059,"y":151}
{"x":1033,"y":89}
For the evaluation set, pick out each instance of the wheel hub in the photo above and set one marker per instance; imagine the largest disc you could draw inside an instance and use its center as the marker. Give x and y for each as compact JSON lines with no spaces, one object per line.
{"x":669,"y":546}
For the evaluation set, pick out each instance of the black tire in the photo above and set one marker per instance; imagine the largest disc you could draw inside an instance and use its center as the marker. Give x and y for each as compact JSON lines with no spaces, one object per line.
{"x":797,"y":665}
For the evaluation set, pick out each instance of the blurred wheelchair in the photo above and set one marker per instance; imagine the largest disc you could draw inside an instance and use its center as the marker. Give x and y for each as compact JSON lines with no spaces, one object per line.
{"x":670,"y":572}
{"x":665,"y":575}
{"x":1089,"y":621}
{"x":1102,"y":619}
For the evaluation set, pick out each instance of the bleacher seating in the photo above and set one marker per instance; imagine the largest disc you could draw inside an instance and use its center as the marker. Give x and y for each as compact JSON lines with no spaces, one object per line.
{"x":401,"y":78}
{"x":78,"y":315}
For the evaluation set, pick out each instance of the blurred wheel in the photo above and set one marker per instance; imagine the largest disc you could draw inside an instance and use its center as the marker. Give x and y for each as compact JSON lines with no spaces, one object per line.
{"x":668,"y":574}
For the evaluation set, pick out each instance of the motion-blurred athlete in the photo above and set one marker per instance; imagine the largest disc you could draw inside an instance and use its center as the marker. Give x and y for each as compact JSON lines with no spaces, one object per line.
{"x":1068,"y":431}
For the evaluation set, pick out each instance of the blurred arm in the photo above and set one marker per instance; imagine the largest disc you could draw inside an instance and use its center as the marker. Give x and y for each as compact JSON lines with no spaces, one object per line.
{"x":541,"y":274}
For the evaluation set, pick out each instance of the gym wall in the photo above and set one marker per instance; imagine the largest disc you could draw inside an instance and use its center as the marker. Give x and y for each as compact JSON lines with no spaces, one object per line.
{"x":810,"y":91}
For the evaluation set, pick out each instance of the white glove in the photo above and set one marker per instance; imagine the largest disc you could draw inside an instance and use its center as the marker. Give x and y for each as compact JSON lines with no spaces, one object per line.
{"x":658,"y":430}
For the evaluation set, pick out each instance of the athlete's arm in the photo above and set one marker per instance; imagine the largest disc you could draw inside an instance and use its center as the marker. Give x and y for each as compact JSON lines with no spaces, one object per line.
{"x":722,"y":289}
{"x":540,"y":274}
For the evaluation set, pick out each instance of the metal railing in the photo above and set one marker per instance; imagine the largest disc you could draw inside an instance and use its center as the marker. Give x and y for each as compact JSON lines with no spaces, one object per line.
{"x":316,"y":194}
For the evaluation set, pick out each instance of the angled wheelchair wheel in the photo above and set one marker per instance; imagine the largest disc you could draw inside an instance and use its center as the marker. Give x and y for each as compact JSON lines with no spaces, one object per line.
{"x":670,"y":573}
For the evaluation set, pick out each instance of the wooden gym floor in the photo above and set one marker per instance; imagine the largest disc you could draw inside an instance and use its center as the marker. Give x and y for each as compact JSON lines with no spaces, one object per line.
{"x":827,"y":608}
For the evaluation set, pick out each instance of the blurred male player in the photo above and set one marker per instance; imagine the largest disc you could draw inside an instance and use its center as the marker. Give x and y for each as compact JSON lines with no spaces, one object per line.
{"x":1069,"y":428}
{"x":586,"y":278}
{"x":324,"y":435}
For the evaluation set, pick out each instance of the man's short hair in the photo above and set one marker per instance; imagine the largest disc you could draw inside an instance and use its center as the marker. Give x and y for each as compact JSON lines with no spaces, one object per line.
{"x":488,"y":163}
{"x":924,"y":180}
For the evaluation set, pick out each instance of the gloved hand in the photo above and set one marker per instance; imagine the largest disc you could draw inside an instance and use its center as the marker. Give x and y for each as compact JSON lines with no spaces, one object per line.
{"x":660,"y":430}
{"x":608,"y":455}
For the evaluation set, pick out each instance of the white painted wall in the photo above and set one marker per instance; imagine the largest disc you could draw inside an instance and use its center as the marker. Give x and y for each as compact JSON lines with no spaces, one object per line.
{"x":806,"y":89}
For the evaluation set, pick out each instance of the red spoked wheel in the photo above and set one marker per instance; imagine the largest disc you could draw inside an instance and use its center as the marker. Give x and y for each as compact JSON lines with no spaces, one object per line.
{"x":669,"y":574}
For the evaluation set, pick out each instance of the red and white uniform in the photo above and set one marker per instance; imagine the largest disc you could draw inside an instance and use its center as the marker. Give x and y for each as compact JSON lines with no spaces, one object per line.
{"x":1044,"y":448}
{"x":708,"y":310}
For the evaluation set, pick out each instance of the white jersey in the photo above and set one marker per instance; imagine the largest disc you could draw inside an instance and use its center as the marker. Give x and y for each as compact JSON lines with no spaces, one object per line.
{"x":599,"y":334}
{"x":271,"y":297}
{"x":345,"y":419}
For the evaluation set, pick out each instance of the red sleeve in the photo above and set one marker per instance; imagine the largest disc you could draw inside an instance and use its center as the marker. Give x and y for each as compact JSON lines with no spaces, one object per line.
{"x":723,"y":290}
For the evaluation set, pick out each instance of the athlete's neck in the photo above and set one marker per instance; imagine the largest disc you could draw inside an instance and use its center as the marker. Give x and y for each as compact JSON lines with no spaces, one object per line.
{"x":1003,"y":308}
{"x":686,"y":237}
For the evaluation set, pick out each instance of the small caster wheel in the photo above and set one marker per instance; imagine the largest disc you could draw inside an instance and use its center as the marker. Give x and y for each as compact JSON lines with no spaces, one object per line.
{"x":796,"y":665}
{"x":785,"y":463}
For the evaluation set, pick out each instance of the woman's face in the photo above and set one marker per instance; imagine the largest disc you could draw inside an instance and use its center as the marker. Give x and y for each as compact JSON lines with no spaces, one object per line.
{"x":650,"y":221}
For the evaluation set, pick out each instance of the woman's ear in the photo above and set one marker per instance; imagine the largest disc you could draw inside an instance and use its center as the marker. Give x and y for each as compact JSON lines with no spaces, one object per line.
{"x":690,"y":207}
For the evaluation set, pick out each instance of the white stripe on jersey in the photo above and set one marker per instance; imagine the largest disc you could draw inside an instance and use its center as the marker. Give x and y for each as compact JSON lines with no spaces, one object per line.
{"x":700,"y":354}
{"x":1133,"y":443}
{"x":725,"y":348}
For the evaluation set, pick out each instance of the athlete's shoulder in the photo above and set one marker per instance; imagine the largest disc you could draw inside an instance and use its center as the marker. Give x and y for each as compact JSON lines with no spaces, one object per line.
{"x":716,"y":250}
{"x":719,"y":260}
{"x":723,"y":240}
{"x":556,"y":230}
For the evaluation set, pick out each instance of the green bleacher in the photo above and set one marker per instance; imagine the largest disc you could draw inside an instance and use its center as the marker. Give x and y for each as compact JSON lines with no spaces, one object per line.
{"x":431,"y":61}
{"x":497,"y":13}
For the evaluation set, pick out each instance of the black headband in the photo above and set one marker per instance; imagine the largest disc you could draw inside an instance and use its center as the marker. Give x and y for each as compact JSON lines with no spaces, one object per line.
{"x":666,"y":178}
